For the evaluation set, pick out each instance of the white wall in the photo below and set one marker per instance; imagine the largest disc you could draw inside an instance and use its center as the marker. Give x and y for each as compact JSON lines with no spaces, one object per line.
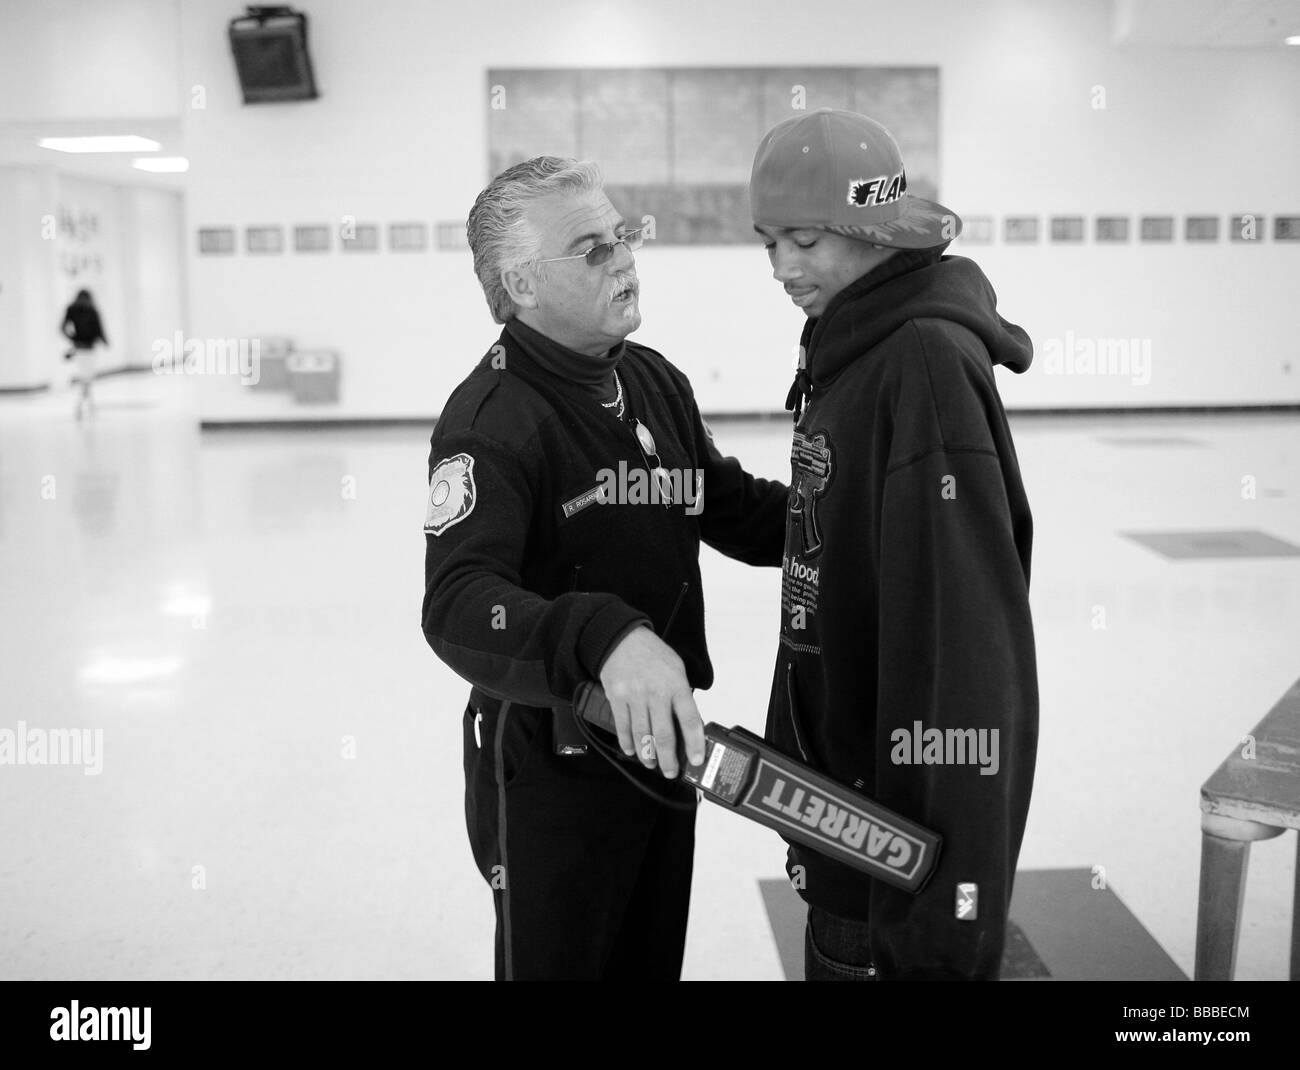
{"x":88,"y":59}
{"x":400,"y":133}
{"x":153,"y":270}
{"x":27,"y":282}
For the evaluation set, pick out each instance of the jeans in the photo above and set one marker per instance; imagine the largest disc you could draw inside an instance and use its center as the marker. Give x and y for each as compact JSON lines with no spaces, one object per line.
{"x":836,"y":949}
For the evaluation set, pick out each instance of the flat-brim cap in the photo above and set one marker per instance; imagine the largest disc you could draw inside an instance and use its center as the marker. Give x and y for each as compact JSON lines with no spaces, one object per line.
{"x":841,"y":171}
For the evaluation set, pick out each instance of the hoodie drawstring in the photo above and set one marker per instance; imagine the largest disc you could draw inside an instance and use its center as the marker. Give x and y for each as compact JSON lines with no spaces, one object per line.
{"x":800,"y":391}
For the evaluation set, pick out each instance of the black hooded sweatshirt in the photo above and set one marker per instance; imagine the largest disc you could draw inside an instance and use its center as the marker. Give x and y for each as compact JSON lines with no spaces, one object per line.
{"x":905,"y":602}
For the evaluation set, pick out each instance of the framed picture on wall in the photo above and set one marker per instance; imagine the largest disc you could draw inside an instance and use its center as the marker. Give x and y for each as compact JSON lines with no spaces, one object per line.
{"x":1248,"y":227}
{"x":1201,"y":228}
{"x":1286,"y":228}
{"x":451,"y":236}
{"x":408,"y":237}
{"x":1157,"y":228}
{"x":359,"y":237}
{"x":677,"y":143}
{"x":312,"y":238}
{"x":1020,"y":228}
{"x":1067,"y":228}
{"x":1112,"y":228}
{"x":977,"y":229}
{"x":216,"y":241}
{"x":264,"y":239}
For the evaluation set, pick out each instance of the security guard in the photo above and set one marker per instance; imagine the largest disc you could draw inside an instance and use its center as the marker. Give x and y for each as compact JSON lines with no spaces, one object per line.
{"x":571,"y":480}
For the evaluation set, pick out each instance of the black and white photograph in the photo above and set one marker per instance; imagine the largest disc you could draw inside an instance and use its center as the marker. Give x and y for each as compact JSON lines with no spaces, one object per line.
{"x":702,"y":490}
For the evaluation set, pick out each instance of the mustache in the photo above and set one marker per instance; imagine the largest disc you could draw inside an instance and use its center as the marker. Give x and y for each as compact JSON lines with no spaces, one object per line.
{"x":624,"y":280}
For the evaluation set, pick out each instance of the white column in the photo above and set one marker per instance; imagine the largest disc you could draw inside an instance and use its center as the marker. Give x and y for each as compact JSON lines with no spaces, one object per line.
{"x":30,"y":344}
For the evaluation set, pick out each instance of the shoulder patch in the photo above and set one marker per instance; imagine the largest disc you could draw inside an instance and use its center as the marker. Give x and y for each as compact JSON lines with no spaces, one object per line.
{"x":451,"y":493}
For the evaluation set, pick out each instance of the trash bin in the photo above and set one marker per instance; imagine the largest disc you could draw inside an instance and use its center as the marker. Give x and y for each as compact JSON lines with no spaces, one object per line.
{"x":313,"y":375}
{"x":272,"y":354}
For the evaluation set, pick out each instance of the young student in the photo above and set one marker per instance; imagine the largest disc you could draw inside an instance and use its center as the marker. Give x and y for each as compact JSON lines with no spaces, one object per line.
{"x":906,"y":668}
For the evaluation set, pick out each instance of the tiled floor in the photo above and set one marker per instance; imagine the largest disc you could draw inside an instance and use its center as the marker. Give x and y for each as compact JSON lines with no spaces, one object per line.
{"x":281,"y":796}
{"x":1064,"y":925}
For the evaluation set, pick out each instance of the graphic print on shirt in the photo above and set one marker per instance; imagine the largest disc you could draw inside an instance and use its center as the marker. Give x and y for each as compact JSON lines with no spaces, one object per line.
{"x":451,"y":493}
{"x":810,"y":472}
{"x":811,"y":467}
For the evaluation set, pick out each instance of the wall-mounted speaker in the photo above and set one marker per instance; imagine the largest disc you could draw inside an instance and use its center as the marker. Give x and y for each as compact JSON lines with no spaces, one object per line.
{"x":270,"y":48}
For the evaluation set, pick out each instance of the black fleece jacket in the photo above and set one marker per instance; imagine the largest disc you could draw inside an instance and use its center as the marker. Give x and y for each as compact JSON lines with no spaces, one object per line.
{"x":905,"y":601}
{"x":87,"y":328}
{"x":530,"y":582}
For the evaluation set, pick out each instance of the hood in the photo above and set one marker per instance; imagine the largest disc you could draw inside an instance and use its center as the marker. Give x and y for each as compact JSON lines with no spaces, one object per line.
{"x":910,"y":285}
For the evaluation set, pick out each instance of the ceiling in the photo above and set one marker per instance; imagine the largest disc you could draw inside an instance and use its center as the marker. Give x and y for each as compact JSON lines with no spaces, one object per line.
{"x":1134,"y":23}
{"x":1205,"y":23}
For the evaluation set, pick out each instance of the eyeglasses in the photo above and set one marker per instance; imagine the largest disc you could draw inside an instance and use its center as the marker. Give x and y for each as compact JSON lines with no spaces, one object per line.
{"x":600,"y":254}
{"x":647,"y":443}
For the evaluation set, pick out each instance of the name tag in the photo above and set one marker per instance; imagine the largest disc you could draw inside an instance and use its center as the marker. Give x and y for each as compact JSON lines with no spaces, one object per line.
{"x":586,"y":498}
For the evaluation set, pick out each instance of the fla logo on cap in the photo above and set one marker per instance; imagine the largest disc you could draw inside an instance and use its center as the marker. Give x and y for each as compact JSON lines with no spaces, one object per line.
{"x":879,"y":190}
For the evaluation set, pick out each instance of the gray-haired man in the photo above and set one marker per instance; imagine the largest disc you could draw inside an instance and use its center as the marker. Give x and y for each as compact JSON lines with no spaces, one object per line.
{"x":571,"y":480}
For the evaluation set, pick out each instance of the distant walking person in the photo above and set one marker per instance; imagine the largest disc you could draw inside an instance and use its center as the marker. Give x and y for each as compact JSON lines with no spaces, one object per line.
{"x":81,"y":323}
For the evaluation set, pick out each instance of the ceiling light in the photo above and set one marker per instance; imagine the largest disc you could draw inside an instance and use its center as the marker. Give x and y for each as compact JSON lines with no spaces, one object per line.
{"x":114,"y":143}
{"x":162,"y":164}
{"x":181,"y":603}
{"x":106,"y":669}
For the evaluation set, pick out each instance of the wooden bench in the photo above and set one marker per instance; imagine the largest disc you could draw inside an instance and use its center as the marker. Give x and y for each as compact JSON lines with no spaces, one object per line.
{"x":1247,"y":798}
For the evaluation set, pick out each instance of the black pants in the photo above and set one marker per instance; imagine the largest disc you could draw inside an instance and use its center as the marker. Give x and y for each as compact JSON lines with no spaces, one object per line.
{"x":591,"y":879}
